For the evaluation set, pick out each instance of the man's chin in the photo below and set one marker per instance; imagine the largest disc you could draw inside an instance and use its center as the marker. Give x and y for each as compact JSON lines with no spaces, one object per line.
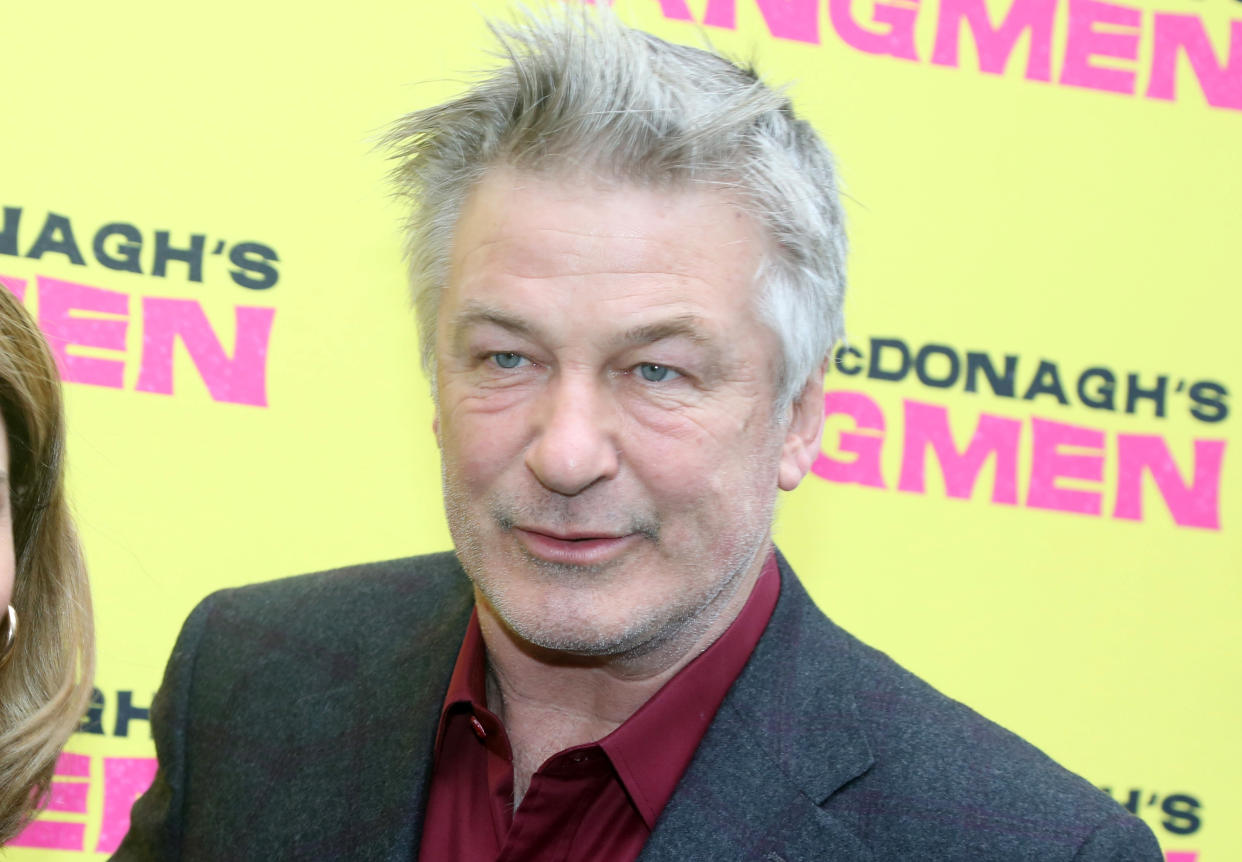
{"x":583,"y":645}
{"x":587,"y":632}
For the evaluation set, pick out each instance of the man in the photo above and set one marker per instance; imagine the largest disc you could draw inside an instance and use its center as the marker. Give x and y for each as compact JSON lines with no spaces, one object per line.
{"x":628,"y":261}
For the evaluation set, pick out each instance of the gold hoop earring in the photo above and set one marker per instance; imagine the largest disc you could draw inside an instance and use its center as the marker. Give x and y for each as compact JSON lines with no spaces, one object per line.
{"x":10,"y":636}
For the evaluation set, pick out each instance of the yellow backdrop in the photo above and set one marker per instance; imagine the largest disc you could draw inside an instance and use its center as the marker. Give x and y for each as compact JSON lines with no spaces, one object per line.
{"x":1027,"y":493}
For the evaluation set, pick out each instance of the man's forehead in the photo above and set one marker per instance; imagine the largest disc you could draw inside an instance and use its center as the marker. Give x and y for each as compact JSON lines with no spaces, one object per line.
{"x":552,"y":259}
{"x":580,"y":223}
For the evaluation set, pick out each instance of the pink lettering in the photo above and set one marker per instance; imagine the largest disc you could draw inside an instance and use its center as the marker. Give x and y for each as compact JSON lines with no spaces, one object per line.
{"x":125,"y":779}
{"x":786,"y":19}
{"x":1049,"y":463}
{"x":67,"y":796}
{"x":15,"y":286}
{"x":928,"y":425}
{"x":1193,"y":505}
{"x":897,"y":37}
{"x":51,"y":835}
{"x":864,"y":467}
{"x":57,"y":302}
{"x":1181,"y":856}
{"x":995,"y":44}
{"x":1221,"y":83}
{"x":241,"y":379}
{"x":75,"y":765}
{"x":1085,"y":42}
{"x":676,"y":10}
{"x":721,"y":13}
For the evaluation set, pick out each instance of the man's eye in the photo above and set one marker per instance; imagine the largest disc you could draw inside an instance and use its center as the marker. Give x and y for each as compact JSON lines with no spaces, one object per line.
{"x":508,"y":360}
{"x":653,"y":373}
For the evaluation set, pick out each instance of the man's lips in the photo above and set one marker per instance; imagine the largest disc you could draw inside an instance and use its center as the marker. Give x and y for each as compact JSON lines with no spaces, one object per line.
{"x":575,"y":548}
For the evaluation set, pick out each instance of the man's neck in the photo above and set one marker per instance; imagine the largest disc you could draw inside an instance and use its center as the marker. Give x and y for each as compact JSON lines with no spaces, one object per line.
{"x":549,"y":701}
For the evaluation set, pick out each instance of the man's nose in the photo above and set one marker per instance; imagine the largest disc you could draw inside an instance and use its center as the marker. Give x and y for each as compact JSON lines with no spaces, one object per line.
{"x":574,"y":444}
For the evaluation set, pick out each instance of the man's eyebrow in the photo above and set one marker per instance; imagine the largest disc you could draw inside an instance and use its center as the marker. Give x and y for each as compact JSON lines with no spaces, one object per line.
{"x":685,"y":326}
{"x":475,"y":313}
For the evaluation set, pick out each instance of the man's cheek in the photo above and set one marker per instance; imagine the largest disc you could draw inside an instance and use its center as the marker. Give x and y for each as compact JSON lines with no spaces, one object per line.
{"x":679,"y":480}
{"x":479,"y":463}
{"x":671,"y":422}
{"x":474,"y":425}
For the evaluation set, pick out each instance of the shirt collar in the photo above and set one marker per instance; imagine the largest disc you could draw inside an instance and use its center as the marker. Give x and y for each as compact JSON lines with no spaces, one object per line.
{"x":653,"y":747}
{"x":468,"y":684}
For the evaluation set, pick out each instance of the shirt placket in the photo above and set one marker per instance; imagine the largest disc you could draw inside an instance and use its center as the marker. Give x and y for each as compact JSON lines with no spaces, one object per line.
{"x":560,"y":795}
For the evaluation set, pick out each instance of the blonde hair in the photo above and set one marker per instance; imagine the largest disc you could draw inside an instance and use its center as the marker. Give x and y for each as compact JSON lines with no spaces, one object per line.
{"x":46,"y":684}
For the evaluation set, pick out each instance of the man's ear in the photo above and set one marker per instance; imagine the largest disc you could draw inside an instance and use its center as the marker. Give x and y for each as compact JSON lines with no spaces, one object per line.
{"x":802,"y":437}
{"x":435,"y":425}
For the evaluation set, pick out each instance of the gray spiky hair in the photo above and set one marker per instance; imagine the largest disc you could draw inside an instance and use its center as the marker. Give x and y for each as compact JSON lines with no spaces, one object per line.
{"x":579,"y":91}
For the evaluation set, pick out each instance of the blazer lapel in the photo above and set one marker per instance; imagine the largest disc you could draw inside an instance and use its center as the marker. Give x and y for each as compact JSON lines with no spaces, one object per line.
{"x":405,"y":703}
{"x":785,"y":739}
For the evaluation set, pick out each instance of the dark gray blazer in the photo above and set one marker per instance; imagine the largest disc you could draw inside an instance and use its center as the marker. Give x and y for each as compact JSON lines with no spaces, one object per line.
{"x":297,"y":719}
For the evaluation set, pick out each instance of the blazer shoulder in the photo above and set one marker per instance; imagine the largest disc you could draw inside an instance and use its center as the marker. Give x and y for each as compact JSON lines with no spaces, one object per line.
{"x":329,"y":683}
{"x":961,"y":774}
{"x":939,"y":779}
{"x":297,"y":627}
{"x":426,"y":582}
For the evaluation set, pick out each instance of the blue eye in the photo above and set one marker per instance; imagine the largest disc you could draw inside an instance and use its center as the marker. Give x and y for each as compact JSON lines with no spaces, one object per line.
{"x":653,"y":373}
{"x":507,"y":360}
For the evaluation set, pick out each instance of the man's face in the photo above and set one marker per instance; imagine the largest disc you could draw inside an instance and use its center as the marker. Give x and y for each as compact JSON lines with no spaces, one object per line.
{"x":605,"y":408}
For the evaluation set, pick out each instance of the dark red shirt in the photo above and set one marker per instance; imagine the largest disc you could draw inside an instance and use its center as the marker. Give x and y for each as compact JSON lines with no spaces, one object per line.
{"x":598,"y":801}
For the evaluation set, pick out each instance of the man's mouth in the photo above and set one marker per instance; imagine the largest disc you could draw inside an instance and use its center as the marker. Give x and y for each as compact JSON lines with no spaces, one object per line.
{"x":574,"y":548}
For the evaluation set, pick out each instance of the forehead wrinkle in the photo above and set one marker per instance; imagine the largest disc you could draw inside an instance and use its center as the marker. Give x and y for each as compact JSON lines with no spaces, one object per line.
{"x":531,"y":263}
{"x":533,"y":252}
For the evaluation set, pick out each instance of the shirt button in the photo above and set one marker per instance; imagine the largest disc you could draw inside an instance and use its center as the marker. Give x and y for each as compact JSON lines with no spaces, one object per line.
{"x":477,"y":727}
